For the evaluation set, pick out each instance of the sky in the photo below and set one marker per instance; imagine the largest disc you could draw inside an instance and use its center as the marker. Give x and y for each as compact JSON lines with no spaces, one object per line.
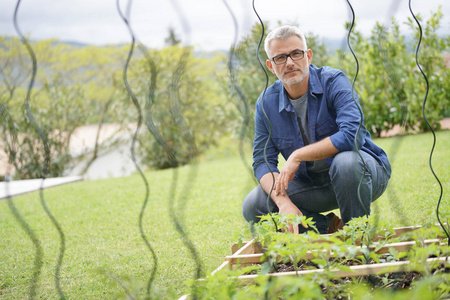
{"x":205,"y":24}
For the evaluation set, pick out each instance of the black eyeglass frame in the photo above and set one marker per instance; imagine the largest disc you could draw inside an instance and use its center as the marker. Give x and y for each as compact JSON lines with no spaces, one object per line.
{"x":289,"y":55}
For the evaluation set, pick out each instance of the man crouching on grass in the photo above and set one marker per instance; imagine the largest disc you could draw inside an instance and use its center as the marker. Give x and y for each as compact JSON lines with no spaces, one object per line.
{"x":314,"y":121}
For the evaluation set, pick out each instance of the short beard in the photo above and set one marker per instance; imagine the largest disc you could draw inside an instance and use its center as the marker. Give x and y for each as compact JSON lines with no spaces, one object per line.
{"x":305,"y":72}
{"x":294,"y":82}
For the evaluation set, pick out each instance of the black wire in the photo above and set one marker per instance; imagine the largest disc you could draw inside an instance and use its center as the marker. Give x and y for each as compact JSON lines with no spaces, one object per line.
{"x":265,"y":115}
{"x":43,"y":137}
{"x":356,"y":146}
{"x":193,"y":151}
{"x":38,"y":256}
{"x":133,"y":144}
{"x":426,"y":120}
{"x":245,"y":112}
{"x":150,"y":100}
{"x":401,"y":98}
{"x":10,"y":132}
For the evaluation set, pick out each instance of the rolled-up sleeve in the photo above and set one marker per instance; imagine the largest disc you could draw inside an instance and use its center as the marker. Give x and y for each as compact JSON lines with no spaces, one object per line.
{"x":260,"y":167}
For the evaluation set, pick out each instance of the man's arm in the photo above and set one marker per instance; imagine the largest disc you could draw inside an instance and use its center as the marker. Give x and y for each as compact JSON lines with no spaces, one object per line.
{"x":317,"y":151}
{"x":285,"y":205}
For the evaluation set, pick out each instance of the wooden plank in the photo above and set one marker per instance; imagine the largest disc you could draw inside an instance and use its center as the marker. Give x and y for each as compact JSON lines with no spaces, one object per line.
{"x":256,"y":247}
{"x":245,"y":249}
{"x":222,"y":266}
{"x":360,"y":270}
{"x":398,"y":231}
{"x":255,"y":258}
{"x":402,"y":246}
{"x":236,"y":246}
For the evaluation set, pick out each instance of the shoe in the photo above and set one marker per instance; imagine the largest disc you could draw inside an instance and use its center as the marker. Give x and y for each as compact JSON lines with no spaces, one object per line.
{"x":335,"y":223}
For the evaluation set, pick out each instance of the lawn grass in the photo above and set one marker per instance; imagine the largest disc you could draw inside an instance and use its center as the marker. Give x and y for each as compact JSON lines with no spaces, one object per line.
{"x":100,"y":218}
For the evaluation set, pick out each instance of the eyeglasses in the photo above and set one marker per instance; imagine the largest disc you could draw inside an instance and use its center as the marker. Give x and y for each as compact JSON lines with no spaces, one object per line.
{"x":294,"y":55}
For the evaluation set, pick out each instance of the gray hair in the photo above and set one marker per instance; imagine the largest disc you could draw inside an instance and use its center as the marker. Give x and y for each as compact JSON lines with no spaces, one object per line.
{"x":282,"y":33}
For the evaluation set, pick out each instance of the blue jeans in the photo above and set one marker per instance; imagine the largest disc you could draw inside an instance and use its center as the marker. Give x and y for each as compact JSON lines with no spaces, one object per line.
{"x":337,"y":188}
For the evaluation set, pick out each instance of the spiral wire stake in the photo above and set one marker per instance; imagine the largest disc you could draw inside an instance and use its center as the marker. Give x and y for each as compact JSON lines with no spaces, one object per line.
{"x":265,"y":115}
{"x":150,"y":99}
{"x":244,"y":107}
{"x":355,"y":145}
{"x":125,"y":19}
{"x":38,"y":257}
{"x":426,"y":120}
{"x":11,"y":132}
{"x":401,"y":98}
{"x":43,"y":137}
{"x":177,"y":116}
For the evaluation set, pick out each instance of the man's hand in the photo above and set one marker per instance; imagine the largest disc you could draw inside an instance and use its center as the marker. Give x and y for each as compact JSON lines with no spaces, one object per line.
{"x":289,"y":208}
{"x":286,"y":174}
{"x":285,"y":205}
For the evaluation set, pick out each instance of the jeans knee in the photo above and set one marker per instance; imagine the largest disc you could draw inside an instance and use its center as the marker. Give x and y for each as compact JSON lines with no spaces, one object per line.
{"x":250,"y":205}
{"x":346,"y":164}
{"x":247,"y":209}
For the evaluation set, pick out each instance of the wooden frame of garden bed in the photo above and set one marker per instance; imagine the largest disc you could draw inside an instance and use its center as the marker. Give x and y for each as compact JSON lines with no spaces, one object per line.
{"x":251,"y":253}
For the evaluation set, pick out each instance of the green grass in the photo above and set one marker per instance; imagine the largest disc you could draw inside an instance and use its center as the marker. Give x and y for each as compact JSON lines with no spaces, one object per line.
{"x":413,"y":192}
{"x":100,"y":218}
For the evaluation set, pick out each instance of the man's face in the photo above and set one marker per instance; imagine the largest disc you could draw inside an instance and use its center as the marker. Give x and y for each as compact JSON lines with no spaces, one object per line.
{"x":291,"y":72}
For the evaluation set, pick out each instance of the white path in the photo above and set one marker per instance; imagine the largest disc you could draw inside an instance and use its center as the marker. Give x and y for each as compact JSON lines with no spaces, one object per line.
{"x":18,"y":187}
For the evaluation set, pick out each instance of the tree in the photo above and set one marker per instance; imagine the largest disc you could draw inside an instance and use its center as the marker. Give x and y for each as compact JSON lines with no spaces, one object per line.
{"x":183,"y":107}
{"x":73,"y":87}
{"x":172,"y":39}
{"x":432,"y":62}
{"x":390,"y":87}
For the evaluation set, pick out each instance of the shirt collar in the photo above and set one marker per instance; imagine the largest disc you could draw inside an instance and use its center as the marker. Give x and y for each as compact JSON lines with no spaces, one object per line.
{"x":315,"y":86}
{"x":284,"y":103}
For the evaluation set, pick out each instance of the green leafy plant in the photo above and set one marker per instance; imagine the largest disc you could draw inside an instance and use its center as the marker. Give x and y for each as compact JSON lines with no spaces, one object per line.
{"x":358,"y":243}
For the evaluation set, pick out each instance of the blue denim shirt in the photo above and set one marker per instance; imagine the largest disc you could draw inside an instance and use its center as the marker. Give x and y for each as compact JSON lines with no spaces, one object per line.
{"x":332,"y":112}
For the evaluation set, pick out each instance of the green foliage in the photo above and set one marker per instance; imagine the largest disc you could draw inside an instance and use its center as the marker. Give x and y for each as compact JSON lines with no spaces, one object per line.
{"x":73,"y":87}
{"x":390,"y":86}
{"x":177,"y":91}
{"x":184,"y":111}
{"x":331,"y":253}
{"x":432,"y":63}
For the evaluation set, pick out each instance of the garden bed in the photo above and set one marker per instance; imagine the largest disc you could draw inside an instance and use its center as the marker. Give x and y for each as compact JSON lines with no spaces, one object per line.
{"x":252,"y":253}
{"x":367,"y":257}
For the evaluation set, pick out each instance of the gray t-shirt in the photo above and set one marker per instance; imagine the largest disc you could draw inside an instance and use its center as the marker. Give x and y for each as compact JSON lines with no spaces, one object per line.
{"x":301,"y":109}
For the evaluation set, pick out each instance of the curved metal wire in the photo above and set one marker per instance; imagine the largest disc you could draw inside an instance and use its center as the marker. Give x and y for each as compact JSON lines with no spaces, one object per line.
{"x":38,"y":256}
{"x":356,"y":146}
{"x":125,"y":19}
{"x":244,"y":107}
{"x":426,"y":120}
{"x":264,"y":113}
{"x":193,"y":151}
{"x":44,"y":140}
{"x":401,"y":98}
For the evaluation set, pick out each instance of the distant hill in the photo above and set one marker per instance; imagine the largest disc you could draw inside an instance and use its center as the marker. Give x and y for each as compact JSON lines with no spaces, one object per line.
{"x":71,"y":43}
